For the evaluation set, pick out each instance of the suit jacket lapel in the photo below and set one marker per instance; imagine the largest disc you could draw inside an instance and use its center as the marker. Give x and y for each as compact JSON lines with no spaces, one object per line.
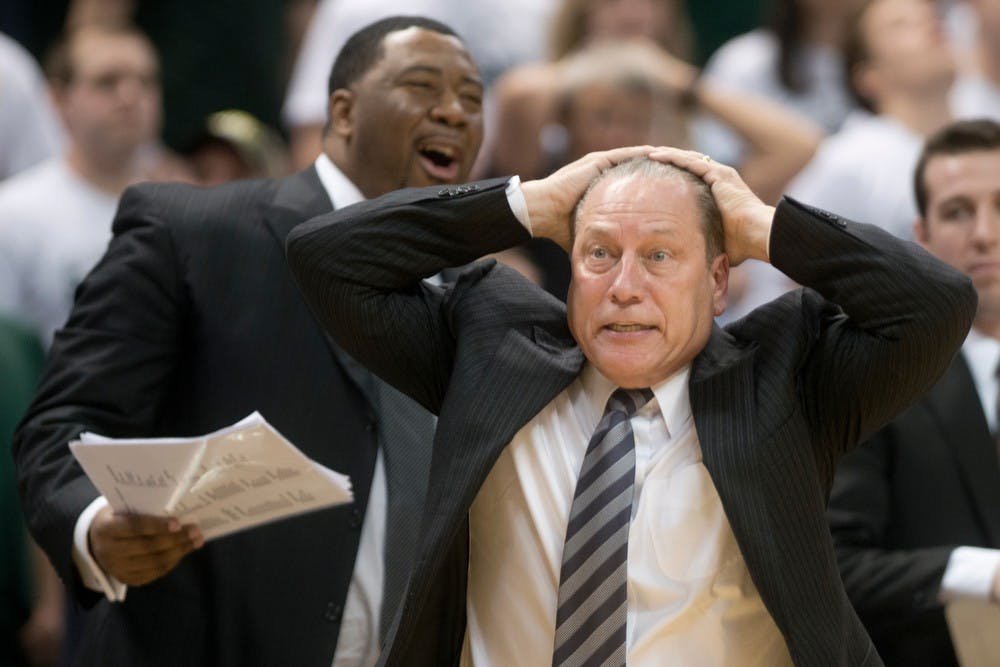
{"x":955,"y":403}
{"x":298,"y":198}
{"x":723,"y":403}
{"x":527,"y":371}
{"x":406,"y":431}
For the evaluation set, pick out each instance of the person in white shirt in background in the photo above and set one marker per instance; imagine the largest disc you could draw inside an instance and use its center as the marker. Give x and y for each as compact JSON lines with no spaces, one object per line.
{"x":915,"y":511}
{"x":55,"y":218}
{"x":797,"y":61}
{"x":901,"y":69}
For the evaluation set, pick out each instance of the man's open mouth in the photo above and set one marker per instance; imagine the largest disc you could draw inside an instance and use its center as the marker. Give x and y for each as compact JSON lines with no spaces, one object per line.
{"x":440,"y":161}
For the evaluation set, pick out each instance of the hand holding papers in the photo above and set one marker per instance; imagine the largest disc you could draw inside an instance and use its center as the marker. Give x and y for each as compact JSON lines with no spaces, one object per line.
{"x":235,"y":478}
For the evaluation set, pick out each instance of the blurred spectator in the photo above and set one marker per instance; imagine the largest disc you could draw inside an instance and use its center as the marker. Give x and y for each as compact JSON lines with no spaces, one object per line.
{"x":797,"y":61}
{"x":213,"y":55}
{"x":977,"y":90}
{"x":915,"y":511}
{"x":630,"y":93}
{"x":521,"y":138}
{"x":55,"y":219}
{"x":29,"y":129}
{"x":901,"y":70}
{"x":31,"y":595}
{"x":234,"y":145}
{"x":519,"y":39}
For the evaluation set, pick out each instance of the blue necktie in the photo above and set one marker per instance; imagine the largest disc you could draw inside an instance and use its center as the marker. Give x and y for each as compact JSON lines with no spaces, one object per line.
{"x":590,"y":621}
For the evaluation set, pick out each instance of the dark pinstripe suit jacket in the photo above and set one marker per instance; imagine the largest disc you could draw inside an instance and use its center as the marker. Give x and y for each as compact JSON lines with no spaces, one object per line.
{"x":191,"y":321}
{"x":777,"y":397}
{"x":901,"y":502}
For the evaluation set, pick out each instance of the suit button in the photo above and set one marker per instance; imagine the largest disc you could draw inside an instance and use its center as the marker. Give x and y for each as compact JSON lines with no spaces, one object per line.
{"x":333,"y":612}
{"x":370,"y":426}
{"x":357,"y":518}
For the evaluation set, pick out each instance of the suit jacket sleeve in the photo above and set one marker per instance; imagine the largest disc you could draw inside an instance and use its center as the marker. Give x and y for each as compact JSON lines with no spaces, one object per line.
{"x":885,"y":318}
{"x":105,"y":373}
{"x":882,"y":581}
{"x":361,"y":268}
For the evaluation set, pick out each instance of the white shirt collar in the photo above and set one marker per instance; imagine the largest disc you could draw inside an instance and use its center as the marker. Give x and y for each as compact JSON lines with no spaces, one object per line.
{"x":982,"y":353}
{"x":672,"y":398}
{"x":341,"y":191}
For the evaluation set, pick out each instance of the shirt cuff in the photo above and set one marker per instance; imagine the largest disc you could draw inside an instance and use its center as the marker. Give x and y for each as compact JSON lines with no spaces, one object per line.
{"x":970,"y":574}
{"x":515,"y":198}
{"x":91,"y":573}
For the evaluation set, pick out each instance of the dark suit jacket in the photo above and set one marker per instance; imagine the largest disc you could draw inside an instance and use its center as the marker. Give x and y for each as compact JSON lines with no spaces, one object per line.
{"x":190,"y":322}
{"x":776,"y":397}
{"x":923,"y":485}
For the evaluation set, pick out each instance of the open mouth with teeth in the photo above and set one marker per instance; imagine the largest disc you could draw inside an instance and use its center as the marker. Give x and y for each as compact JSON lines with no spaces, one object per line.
{"x":441,"y":162}
{"x":628,"y":328}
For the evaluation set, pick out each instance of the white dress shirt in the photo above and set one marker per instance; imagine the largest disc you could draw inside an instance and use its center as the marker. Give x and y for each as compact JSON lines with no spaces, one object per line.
{"x":690,"y":597}
{"x":357,"y":644}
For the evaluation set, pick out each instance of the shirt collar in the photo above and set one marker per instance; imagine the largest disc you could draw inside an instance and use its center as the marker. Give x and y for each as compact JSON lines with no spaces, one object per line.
{"x":671,"y":398}
{"x":341,"y":191}
{"x":983,"y":354}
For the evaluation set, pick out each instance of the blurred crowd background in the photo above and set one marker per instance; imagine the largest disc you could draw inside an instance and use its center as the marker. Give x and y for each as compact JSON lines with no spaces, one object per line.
{"x":806,"y":97}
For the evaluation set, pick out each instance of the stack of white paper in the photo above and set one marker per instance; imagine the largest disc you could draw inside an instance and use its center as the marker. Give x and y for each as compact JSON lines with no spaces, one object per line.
{"x":237,"y":477}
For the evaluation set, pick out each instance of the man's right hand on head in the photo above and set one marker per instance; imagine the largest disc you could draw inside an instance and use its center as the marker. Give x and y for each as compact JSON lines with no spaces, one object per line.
{"x":137,"y":549}
{"x":551,"y":200}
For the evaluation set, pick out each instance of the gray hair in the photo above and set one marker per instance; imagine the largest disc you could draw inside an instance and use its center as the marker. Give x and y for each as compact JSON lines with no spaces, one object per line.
{"x":644,"y":167}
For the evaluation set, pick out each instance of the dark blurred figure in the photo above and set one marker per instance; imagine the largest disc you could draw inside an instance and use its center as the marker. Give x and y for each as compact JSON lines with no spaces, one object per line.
{"x":915,"y":511}
{"x":235,"y":145}
{"x":31,"y":596}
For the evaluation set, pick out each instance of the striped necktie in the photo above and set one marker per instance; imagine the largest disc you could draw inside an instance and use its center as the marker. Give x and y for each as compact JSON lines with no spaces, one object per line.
{"x":590,"y":620}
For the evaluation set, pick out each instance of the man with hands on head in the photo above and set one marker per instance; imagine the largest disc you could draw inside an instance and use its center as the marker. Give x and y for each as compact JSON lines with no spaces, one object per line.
{"x":619,"y":478}
{"x":191,"y":321}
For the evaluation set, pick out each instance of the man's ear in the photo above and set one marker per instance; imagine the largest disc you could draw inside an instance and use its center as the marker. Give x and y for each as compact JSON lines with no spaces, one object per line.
{"x":342,"y":113}
{"x":719,"y":272}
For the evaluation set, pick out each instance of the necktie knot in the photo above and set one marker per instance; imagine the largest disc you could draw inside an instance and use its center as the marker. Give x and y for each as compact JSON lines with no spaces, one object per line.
{"x":628,"y":401}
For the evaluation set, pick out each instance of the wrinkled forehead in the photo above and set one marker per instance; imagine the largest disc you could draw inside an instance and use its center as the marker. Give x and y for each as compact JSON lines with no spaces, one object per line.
{"x":662,"y":204}
{"x":636,"y":193}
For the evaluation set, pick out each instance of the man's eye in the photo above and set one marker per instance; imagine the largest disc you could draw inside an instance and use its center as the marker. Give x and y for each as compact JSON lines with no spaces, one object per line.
{"x":599,"y":253}
{"x":658,"y":256}
{"x":955,"y":213}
